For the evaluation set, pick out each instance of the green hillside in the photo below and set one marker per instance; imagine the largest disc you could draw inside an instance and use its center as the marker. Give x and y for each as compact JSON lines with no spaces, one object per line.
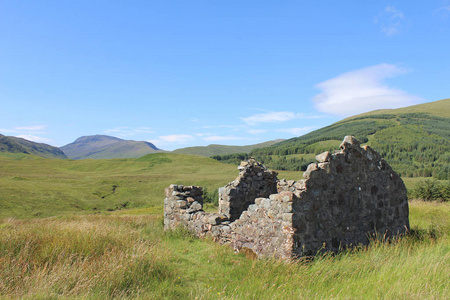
{"x":32,"y":186}
{"x":414,"y":140}
{"x":104,"y":147}
{"x":213,"y":149}
{"x":10,"y":144}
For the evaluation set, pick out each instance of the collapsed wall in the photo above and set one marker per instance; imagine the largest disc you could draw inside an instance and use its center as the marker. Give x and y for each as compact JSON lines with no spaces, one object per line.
{"x":343,"y":199}
{"x":254,"y":181}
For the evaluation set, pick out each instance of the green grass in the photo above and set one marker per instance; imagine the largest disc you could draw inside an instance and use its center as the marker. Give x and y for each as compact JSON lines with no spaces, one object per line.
{"x":438,"y":108}
{"x":35,"y":187}
{"x":81,"y":253}
{"x":214,"y":149}
{"x":129,"y":256}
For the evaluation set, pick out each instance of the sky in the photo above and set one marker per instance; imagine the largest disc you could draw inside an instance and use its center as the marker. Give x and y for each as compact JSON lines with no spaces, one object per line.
{"x":194,"y":73}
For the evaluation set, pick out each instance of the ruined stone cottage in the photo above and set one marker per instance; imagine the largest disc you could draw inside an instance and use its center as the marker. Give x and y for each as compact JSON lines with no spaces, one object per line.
{"x":344,"y":198}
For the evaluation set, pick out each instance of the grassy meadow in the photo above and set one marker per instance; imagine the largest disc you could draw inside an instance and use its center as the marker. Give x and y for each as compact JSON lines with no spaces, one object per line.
{"x":92,"y":229}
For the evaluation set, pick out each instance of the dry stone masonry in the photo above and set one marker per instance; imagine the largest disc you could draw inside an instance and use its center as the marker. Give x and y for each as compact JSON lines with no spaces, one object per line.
{"x":343,"y":199}
{"x":254,"y":181}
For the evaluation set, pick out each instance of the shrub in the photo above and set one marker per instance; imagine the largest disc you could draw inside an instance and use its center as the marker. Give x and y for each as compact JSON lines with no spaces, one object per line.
{"x":430,"y":190}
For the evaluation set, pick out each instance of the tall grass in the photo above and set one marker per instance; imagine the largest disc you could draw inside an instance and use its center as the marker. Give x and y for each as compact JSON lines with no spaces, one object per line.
{"x":95,"y":256}
{"x":129,"y":256}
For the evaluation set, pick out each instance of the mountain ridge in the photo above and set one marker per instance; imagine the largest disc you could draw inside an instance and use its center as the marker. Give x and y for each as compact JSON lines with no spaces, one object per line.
{"x":105,"y":147}
{"x":12,"y":144}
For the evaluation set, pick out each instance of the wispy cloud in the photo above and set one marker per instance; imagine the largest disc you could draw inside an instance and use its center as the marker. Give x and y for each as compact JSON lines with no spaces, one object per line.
{"x":277,"y":116}
{"x":28,"y":132}
{"x":173,"y":138}
{"x":361,"y":91}
{"x":34,"y":138}
{"x":443,"y":12}
{"x":128,"y":131}
{"x":232,"y":127}
{"x":390,"y":20}
{"x":4,"y":130}
{"x":257,"y":131}
{"x":30,"y":128}
{"x":215,"y":138}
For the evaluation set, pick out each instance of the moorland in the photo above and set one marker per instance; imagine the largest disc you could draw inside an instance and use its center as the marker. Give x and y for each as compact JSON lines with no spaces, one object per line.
{"x":93,"y":229}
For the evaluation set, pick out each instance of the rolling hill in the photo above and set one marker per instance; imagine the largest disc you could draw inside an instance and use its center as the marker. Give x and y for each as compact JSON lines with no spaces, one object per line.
{"x":12,"y":144}
{"x":103,"y":146}
{"x":414,"y":140}
{"x":71,"y":224}
{"x":213,"y":149}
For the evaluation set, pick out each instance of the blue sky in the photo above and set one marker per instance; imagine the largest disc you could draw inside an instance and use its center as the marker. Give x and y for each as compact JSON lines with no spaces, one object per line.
{"x":188,"y":73}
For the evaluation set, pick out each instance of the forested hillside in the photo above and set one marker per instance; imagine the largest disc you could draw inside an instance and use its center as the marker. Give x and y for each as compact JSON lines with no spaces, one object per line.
{"x":414,"y":140}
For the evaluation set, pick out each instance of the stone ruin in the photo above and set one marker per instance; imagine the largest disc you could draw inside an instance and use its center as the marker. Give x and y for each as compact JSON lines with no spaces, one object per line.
{"x":345,"y":197}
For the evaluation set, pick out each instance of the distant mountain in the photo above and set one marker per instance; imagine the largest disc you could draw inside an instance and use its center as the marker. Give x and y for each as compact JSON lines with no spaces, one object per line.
{"x":12,"y":144}
{"x":213,"y":149}
{"x":414,"y":140}
{"x":104,"y":146}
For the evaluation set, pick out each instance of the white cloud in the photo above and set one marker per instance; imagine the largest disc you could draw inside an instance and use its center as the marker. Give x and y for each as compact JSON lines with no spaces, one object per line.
{"x":390,"y":20}
{"x":305,"y":116}
{"x":34,"y":138}
{"x":361,"y":91}
{"x":128,"y":131}
{"x":28,"y":132}
{"x":275,"y":116}
{"x":233,"y":127}
{"x":298,"y":130}
{"x":443,"y":12}
{"x":216,"y":138}
{"x":3,"y":130}
{"x":168,"y":140}
{"x":256,"y":131}
{"x":176,"y":138}
{"x":30,"y":128}
{"x":203,"y":134}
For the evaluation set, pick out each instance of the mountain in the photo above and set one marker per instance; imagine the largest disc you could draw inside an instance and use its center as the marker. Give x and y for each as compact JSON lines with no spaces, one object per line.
{"x":213,"y":149}
{"x":414,"y":140}
{"x":103,"y":146}
{"x":12,"y":144}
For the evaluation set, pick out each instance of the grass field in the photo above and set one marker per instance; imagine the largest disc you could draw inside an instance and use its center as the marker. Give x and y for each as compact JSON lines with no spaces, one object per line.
{"x":129,"y":256}
{"x":37,"y":187}
{"x":82,"y":243}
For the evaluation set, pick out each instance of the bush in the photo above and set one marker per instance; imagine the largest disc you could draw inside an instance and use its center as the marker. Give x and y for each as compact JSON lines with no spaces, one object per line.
{"x":430,"y":190}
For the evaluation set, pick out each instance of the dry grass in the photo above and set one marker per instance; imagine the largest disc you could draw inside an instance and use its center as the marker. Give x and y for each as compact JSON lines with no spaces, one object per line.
{"x":104,"y":256}
{"x":129,"y":256}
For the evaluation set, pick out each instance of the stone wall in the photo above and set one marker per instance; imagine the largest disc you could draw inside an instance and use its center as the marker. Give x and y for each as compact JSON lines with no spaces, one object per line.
{"x":343,"y":199}
{"x":266,"y":227}
{"x":181,"y":203}
{"x":346,"y":197}
{"x":254,"y":181}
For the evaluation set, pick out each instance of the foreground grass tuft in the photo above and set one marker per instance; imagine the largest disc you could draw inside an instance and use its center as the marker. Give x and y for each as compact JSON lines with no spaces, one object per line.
{"x":130,"y":256}
{"x":96,"y":255}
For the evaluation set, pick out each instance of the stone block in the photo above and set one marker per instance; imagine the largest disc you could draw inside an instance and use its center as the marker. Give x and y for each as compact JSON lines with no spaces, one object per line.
{"x":323,"y":157}
{"x":181,"y":204}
